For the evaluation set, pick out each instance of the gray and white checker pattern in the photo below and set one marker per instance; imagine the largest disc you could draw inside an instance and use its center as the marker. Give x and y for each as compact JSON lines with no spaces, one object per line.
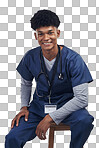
{"x":79,"y":31}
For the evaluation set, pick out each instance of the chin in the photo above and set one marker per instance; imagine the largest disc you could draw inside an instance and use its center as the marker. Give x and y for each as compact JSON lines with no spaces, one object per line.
{"x":48,"y":48}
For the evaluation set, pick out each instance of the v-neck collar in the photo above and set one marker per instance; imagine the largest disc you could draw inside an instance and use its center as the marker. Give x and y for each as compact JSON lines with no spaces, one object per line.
{"x":49,"y":73}
{"x":49,"y":63}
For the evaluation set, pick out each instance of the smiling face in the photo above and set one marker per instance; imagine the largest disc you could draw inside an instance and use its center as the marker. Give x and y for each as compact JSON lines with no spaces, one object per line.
{"x":47,"y":37}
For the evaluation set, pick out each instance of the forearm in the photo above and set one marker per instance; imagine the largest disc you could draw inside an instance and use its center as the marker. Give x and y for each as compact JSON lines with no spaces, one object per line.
{"x":80,"y":100}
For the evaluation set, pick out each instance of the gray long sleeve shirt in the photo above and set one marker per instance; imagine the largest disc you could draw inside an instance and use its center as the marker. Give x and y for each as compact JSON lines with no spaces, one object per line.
{"x":80,"y":99}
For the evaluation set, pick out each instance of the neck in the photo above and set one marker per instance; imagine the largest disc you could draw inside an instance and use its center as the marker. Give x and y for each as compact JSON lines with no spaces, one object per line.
{"x":50,"y":54}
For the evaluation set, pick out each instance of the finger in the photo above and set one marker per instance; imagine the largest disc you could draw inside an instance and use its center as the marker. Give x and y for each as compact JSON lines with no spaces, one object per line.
{"x":17,"y":121}
{"x":13,"y":122}
{"x":38,"y":133}
{"x":41,"y":135}
{"x":26,"y":116}
{"x":44,"y":136}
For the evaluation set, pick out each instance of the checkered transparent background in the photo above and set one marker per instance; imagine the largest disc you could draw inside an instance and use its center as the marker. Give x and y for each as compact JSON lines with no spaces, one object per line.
{"x":79,"y":31}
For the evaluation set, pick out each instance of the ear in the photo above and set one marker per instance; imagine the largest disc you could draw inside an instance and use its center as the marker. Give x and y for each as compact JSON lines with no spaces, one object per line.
{"x":35,"y":35}
{"x":58,"y":33}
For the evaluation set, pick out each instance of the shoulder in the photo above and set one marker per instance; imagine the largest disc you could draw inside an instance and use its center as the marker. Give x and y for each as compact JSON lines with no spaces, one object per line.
{"x":32,"y":53}
{"x":71,"y":55}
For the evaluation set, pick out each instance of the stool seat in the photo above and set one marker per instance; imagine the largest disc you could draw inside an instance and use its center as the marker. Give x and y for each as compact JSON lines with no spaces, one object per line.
{"x":55,"y":127}
{"x":60,"y":126}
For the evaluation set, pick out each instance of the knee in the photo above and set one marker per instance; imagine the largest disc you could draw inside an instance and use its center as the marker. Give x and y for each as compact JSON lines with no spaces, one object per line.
{"x":86,"y":122}
{"x":11,"y":139}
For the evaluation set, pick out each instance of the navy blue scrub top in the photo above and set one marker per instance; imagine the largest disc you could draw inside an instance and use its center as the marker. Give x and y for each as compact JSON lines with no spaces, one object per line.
{"x":74,"y":70}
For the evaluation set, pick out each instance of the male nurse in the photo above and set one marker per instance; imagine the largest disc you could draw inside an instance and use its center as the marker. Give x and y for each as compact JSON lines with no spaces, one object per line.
{"x":61,"y":93}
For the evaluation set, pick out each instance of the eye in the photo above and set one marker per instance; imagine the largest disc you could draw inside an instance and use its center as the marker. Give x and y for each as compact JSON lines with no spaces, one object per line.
{"x":50,"y":32}
{"x":40,"y":34}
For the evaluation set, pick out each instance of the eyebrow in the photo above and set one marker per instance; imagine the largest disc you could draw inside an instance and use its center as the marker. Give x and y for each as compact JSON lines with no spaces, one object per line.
{"x":48,"y":30}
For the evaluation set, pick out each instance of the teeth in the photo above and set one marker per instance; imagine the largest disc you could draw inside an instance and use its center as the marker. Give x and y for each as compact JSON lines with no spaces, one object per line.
{"x":47,"y":43}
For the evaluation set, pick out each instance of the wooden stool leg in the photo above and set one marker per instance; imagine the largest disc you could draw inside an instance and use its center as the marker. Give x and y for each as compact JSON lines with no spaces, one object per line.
{"x":51,"y":137}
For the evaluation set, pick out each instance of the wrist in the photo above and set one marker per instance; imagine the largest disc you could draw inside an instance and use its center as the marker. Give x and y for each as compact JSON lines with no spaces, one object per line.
{"x":49,"y":118}
{"x":24,"y":108}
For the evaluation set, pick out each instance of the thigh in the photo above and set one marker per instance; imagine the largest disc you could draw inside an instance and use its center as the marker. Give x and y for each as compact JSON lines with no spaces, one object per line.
{"x":77,"y":116}
{"x":26,"y":129}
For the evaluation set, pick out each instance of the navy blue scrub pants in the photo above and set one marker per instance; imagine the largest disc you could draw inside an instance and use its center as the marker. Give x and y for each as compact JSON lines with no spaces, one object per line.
{"x":80,"y":124}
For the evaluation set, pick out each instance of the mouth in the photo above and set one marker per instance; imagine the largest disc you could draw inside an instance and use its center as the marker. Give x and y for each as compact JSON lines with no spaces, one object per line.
{"x":47,"y":44}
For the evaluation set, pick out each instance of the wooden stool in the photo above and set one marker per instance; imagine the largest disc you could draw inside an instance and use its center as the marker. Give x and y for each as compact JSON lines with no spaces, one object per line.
{"x":55,"y":127}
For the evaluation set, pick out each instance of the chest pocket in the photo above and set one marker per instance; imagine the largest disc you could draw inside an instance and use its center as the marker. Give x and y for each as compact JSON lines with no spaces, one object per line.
{"x":61,"y":87}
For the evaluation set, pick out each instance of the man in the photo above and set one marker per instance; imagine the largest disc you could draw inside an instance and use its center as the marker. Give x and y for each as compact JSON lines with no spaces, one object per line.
{"x":61,"y":93}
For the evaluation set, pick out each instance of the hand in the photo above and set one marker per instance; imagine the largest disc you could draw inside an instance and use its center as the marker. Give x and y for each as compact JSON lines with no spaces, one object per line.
{"x":43,"y":127}
{"x":23,"y":112}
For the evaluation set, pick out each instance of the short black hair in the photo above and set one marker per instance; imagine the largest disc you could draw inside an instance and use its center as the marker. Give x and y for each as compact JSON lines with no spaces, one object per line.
{"x":44,"y":18}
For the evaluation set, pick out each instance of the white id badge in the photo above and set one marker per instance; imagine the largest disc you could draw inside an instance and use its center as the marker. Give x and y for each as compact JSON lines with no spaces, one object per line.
{"x":48,"y":108}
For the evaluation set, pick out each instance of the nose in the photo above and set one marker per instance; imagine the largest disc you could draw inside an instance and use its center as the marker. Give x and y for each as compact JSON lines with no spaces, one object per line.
{"x":46,"y":36}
